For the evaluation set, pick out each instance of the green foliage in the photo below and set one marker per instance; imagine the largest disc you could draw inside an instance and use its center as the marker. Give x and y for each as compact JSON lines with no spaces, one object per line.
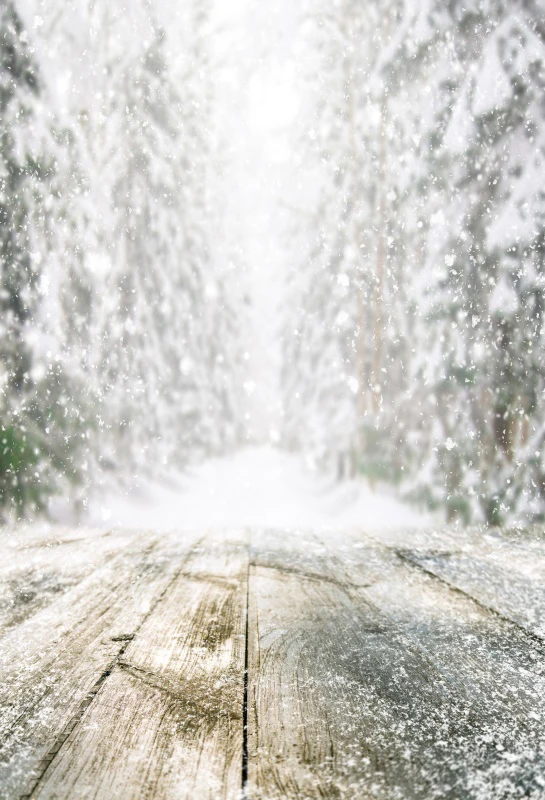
{"x":21,"y":484}
{"x":380,"y":460}
{"x":45,"y":446}
{"x":38,"y":441}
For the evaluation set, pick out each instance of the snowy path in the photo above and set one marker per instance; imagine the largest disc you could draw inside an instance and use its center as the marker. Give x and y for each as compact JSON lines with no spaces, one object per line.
{"x":285,"y":665}
{"x":256,"y":487}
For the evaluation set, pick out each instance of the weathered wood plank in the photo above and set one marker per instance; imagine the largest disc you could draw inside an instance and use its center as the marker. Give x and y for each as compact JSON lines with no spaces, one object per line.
{"x":388,"y":686}
{"x":167,"y":723}
{"x":367,"y":678}
{"x":498,"y":669}
{"x":38,"y":569}
{"x":52,"y":664}
{"x":511,"y":581}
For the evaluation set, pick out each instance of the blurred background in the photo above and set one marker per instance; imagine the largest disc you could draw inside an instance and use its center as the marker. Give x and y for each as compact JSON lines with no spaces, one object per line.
{"x":313,"y":226}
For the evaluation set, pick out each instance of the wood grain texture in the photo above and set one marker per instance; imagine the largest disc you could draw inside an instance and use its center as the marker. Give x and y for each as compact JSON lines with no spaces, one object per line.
{"x":52,"y":664}
{"x":167,"y":723}
{"x":392,"y":686}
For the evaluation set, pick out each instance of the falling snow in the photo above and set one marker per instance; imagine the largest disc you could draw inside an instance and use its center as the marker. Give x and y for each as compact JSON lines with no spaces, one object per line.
{"x":272,"y":277}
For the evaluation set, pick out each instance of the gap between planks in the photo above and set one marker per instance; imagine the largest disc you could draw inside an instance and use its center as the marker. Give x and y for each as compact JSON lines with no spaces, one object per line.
{"x":244,"y":782}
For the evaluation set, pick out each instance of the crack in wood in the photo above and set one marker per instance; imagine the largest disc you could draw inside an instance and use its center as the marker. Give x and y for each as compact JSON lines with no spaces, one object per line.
{"x":206,"y":577}
{"x":152,"y":679}
{"x":206,"y":706}
{"x":311,"y":576}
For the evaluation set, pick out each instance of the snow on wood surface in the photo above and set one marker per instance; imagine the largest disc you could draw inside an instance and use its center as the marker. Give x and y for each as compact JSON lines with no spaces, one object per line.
{"x":295,"y":664}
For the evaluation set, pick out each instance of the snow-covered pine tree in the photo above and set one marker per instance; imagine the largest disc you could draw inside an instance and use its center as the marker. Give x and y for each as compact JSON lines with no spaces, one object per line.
{"x":473,"y":373}
{"x":155,"y":289}
{"x":503,"y":220}
{"x":18,"y":90}
{"x":137,"y":314}
{"x":39,"y":436}
{"x":166,"y":340}
{"x":18,"y":293}
{"x":432,"y":214}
